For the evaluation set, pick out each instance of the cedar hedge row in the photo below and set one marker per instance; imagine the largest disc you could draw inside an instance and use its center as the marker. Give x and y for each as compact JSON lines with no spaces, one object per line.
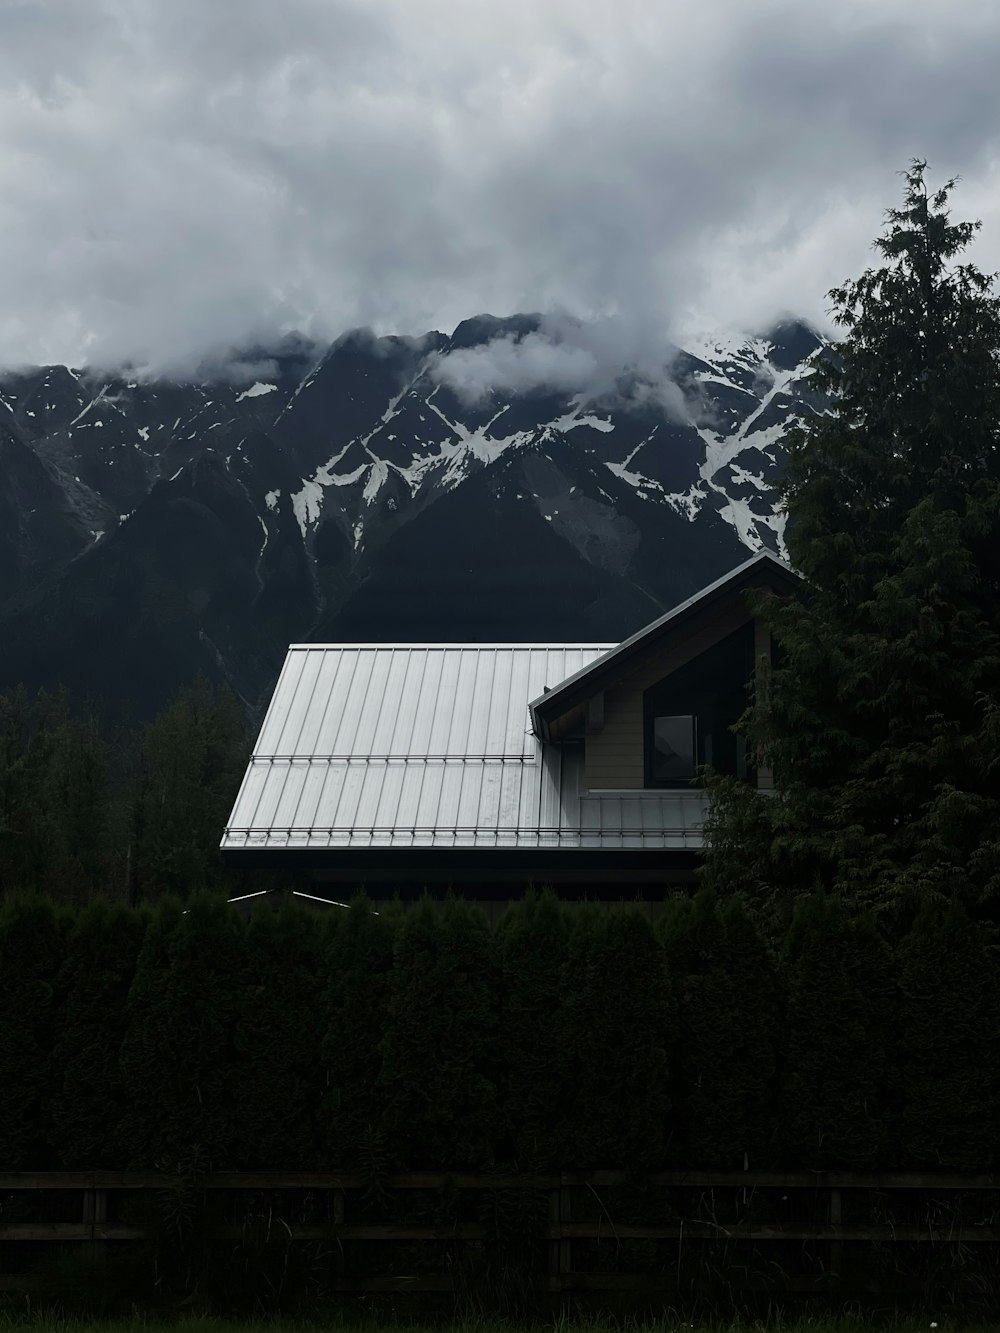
{"x":195,"y":1040}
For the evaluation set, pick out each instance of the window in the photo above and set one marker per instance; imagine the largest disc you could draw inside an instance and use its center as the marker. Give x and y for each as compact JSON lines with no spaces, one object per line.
{"x":675,"y":748}
{"x":689,"y":715}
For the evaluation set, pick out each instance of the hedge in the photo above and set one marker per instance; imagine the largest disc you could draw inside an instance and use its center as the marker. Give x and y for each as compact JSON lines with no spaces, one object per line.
{"x":193,"y":1040}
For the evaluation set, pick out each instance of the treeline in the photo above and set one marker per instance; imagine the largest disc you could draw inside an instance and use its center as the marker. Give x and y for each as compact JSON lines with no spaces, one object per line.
{"x":194,"y":1040}
{"x":131,"y":813}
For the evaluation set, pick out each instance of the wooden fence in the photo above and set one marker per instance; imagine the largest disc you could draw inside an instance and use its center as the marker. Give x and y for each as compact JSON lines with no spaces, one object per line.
{"x":740,"y":1210}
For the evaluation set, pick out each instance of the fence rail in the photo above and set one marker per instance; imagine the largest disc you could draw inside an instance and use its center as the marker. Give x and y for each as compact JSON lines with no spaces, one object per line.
{"x":92,"y":1230}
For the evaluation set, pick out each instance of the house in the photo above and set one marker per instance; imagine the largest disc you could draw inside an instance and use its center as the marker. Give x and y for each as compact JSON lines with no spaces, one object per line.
{"x":486,"y":767}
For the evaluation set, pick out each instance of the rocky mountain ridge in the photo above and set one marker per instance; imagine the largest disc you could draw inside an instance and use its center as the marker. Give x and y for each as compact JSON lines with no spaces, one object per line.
{"x":152,"y":529}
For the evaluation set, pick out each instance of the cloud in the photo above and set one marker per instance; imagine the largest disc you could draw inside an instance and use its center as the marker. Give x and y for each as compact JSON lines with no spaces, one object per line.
{"x":180,"y":178}
{"x":605,"y":361}
{"x":515,"y":365}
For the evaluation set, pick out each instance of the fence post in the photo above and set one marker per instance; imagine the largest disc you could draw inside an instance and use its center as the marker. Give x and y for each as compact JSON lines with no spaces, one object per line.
{"x":565,"y":1215}
{"x":94,"y":1213}
{"x":836,"y":1246}
{"x":555,"y":1234}
{"x":338,"y":1221}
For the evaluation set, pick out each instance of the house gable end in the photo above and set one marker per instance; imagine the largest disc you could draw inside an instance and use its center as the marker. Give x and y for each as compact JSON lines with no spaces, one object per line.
{"x":762,"y":571}
{"x":616,"y":755}
{"x":604,"y":699}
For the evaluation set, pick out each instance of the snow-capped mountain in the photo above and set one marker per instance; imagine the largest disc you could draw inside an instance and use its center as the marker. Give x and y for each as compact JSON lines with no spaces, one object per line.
{"x":387,"y":488}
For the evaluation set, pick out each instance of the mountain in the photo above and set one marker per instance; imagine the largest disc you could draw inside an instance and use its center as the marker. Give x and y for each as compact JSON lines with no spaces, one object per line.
{"x":151,"y":529}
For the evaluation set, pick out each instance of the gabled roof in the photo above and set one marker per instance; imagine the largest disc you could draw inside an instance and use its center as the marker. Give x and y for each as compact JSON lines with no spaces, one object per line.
{"x":761,"y":570}
{"x":412,"y":749}
{"x":409,"y":747}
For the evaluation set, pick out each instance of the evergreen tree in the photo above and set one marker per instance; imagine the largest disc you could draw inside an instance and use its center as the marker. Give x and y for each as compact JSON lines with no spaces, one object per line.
{"x":728,"y":1031}
{"x":88,"y":1100}
{"x":17,"y":810}
{"x":835,"y":1106}
{"x":438,"y":1076}
{"x":32,"y":948}
{"x":359,"y":961}
{"x":616,"y":1022}
{"x":283,"y":1019}
{"x":879,"y":718}
{"x":180,"y":1052}
{"x":949,"y":1056}
{"x":531,"y":944}
{"x":192,"y":759}
{"x":143,"y":1078}
{"x":56,"y":806}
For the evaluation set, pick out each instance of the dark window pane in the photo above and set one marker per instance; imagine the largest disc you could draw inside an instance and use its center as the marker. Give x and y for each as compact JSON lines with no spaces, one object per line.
{"x":673,"y":748}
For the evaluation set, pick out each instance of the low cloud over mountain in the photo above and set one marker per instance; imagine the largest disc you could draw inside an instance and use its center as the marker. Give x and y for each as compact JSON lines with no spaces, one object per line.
{"x":511,"y":481}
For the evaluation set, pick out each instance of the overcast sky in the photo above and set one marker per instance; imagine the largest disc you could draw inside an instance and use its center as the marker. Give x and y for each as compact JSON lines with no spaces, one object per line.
{"x":179,"y":176}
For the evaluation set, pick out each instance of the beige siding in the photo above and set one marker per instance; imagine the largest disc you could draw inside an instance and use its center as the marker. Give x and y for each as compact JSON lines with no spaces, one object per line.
{"x":614,"y":755}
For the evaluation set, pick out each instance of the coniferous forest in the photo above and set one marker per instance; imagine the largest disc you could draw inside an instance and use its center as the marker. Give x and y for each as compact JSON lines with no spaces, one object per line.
{"x":130,"y":813}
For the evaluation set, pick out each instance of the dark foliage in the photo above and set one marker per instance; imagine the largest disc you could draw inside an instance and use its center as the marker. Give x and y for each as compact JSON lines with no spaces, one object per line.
{"x":59,"y":831}
{"x":358,"y":965}
{"x":282,"y":1019}
{"x":727,"y":1036}
{"x":88,"y":1097}
{"x":439,"y":1063}
{"x":180,"y":1055}
{"x":32,"y":952}
{"x":87,"y":812}
{"x":616,"y":1021}
{"x":531,"y":944}
{"x":190,"y":763}
{"x":879,"y":719}
{"x":576,"y":1038}
{"x":835,"y":1107}
{"x":948,"y":1055}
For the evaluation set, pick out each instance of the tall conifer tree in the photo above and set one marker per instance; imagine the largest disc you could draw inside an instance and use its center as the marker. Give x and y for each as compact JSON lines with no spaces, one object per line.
{"x":180,"y":1050}
{"x":192,"y":757}
{"x":880,"y":717}
{"x":948,"y":1054}
{"x":88,"y":1100}
{"x":56,"y":803}
{"x":728,"y":1031}
{"x":835,"y":1108}
{"x":616,"y":1020}
{"x":531,"y":941}
{"x":32,"y":951}
{"x":438,"y":1075}
{"x":358,"y":965}
{"x":282,"y":1021}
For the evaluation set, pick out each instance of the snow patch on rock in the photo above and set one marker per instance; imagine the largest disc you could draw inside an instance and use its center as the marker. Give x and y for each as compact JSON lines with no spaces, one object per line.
{"x":307,"y":505}
{"x":256,"y":391}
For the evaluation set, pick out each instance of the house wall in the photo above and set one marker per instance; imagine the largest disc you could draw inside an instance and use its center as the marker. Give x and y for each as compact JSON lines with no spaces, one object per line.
{"x":614,"y":753}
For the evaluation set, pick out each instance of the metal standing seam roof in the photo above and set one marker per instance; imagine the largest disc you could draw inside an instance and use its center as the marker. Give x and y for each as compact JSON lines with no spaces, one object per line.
{"x":430,"y":746}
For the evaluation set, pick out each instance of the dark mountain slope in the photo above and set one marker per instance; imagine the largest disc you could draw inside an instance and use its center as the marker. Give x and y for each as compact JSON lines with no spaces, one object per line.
{"x":153,"y":530}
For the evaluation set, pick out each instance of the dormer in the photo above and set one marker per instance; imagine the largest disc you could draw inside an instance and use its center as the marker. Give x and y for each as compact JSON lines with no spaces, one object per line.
{"x":661,"y":705}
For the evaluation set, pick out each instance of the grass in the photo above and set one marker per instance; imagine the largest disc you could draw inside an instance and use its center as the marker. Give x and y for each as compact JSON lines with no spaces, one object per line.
{"x":15,"y":1322}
